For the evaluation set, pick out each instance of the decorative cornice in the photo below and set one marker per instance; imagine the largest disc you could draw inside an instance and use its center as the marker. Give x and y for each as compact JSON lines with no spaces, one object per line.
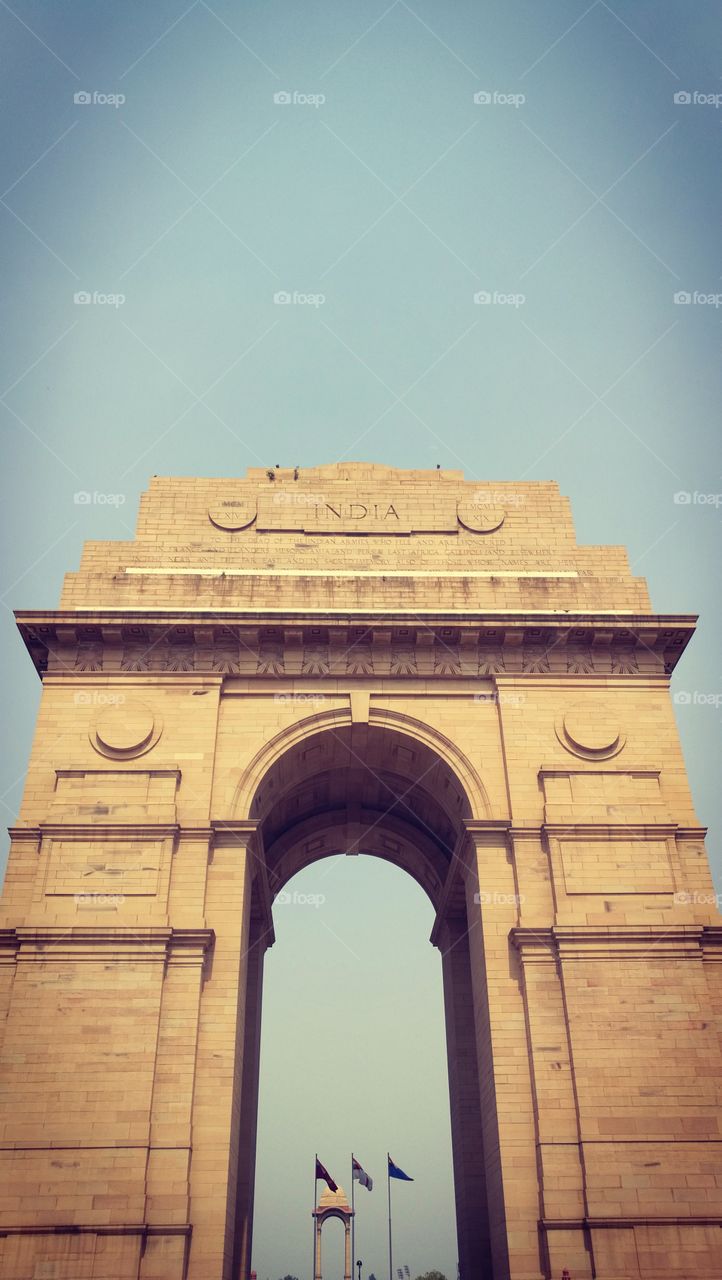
{"x":638,"y":1220}
{"x":712,"y":942}
{"x":101,"y":1229}
{"x":487,"y":831}
{"x":345,"y":1213}
{"x":8,"y":944}
{"x":584,"y":764}
{"x":585,"y":942}
{"x":94,"y":942}
{"x":189,"y":937}
{"x":73,"y":830}
{"x":477,"y":826}
{"x":131,"y":615}
{"x":76,"y":643}
{"x":110,"y":830}
{"x":245,"y":828}
{"x":614,"y":830}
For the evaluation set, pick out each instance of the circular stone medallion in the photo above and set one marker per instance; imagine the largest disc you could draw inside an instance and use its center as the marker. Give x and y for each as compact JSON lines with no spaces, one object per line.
{"x":585,"y":730}
{"x":478,"y":518}
{"x":126,"y":728}
{"x":233,"y":514}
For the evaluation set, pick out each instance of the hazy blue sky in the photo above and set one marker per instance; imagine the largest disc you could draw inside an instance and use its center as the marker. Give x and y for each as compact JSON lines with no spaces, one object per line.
{"x":397,"y":198}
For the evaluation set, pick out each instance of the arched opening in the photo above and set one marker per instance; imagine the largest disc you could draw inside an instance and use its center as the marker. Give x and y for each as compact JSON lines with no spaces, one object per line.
{"x":361,"y":789}
{"x":353,"y":1059}
{"x":333,"y":1246}
{"x":343,"y":789}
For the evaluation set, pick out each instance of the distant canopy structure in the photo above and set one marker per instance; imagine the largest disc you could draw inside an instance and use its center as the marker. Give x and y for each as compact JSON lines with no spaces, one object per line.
{"x":333,"y":1204}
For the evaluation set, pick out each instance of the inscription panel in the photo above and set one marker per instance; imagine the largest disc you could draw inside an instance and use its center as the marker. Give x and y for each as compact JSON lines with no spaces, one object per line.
{"x":367,"y":512}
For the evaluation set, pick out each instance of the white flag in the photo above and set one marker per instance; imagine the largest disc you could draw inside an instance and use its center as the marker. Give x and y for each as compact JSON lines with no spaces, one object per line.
{"x":361,"y":1176}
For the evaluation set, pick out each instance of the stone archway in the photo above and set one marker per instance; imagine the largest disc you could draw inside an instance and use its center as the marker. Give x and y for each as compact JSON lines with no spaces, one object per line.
{"x":333,"y":1204}
{"x":380,"y":788}
{"x":177,"y":780}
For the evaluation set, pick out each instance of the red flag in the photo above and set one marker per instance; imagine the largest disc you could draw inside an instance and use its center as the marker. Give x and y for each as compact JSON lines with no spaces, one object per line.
{"x":322,"y":1173}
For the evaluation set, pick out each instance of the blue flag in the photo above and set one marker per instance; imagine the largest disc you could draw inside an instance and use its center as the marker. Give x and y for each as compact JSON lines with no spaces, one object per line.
{"x":395,"y":1172}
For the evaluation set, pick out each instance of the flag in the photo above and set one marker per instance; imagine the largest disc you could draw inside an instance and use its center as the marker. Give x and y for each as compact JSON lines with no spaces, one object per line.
{"x":395,"y":1172}
{"x":322,"y":1173}
{"x":361,"y":1175}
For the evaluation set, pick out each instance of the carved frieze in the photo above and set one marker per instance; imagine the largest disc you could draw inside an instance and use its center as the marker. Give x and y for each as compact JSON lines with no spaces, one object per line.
{"x":535,"y":659}
{"x":360,"y":653}
{"x":135,"y":657}
{"x":226,"y":652}
{"x":624,"y":660}
{"x":270,"y":652}
{"x":404,"y":660}
{"x":244,"y":648}
{"x":315,"y":661}
{"x":89,"y":656}
{"x":447,"y":659}
{"x":491,"y":660}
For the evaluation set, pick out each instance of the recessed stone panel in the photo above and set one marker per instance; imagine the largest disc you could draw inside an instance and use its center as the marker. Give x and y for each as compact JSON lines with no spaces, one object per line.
{"x":616,"y":866}
{"x":87,"y":867}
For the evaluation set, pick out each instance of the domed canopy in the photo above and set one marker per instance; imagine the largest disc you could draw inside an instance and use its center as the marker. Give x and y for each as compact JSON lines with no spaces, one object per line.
{"x":334,"y":1200}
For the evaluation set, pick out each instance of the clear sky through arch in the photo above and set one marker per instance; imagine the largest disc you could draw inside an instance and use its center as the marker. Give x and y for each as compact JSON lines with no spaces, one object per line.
{"x":353,"y":1057}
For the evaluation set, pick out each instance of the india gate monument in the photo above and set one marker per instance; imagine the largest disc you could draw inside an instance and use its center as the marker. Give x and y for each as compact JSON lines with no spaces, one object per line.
{"x":486,"y":705}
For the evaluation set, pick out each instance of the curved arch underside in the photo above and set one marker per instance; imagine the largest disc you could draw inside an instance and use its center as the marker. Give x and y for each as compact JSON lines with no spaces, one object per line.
{"x":361,"y":789}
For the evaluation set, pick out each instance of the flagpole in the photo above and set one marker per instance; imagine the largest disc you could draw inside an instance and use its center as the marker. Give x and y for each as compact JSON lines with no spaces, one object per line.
{"x":353,"y":1221}
{"x":388,"y":1183}
{"x":313,"y":1218}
